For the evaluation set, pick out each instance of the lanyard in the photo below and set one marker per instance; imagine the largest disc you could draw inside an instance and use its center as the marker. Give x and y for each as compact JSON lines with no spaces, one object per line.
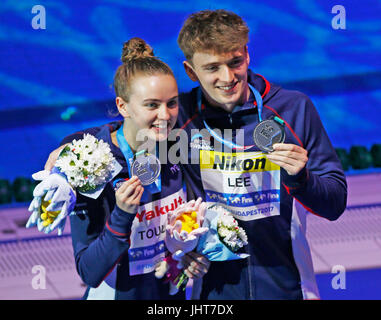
{"x":154,"y":187}
{"x":231,"y":144}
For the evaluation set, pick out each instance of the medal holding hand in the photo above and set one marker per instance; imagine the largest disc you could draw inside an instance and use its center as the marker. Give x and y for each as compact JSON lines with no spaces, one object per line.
{"x":290,"y":157}
{"x":129,"y":194}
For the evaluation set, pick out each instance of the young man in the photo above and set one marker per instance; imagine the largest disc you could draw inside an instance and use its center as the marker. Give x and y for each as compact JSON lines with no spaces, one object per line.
{"x":269,"y":193}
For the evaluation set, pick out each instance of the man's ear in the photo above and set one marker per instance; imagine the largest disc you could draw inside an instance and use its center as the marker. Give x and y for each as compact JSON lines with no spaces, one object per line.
{"x":122,"y":107}
{"x":189,"y":70}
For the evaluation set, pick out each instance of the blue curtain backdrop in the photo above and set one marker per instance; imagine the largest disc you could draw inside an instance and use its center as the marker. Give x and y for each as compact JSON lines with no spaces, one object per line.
{"x":56,"y":80}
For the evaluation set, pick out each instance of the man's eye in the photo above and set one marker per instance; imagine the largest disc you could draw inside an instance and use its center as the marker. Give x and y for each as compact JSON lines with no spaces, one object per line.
{"x":236,"y":63}
{"x":211,"y":68}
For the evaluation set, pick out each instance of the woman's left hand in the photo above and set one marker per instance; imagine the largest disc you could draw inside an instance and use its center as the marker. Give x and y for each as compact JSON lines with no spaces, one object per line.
{"x":195,"y":265}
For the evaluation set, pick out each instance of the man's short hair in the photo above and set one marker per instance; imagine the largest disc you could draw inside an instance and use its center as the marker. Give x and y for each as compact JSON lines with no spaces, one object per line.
{"x":216,"y":31}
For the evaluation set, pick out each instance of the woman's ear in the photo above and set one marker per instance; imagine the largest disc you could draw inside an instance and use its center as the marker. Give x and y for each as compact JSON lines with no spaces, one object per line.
{"x":189,"y":70}
{"x":122,"y":107}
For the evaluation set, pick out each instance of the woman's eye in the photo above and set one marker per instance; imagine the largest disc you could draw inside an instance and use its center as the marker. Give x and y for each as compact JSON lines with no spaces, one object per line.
{"x":172,"y":104}
{"x":151,"y":105}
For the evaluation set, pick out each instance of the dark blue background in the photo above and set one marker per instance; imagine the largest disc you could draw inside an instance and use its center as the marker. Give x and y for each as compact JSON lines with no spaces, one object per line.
{"x":72,"y":63}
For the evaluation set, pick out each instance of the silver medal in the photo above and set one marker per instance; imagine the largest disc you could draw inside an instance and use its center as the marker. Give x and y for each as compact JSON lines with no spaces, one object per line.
{"x":147,"y":168}
{"x":267,"y":133}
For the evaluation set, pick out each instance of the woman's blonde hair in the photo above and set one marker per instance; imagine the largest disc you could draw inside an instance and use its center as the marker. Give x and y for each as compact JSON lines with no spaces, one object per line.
{"x":138,"y":58}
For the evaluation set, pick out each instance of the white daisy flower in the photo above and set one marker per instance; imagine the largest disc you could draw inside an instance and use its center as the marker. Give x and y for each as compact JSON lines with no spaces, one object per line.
{"x":87,"y":163}
{"x":230,"y":233}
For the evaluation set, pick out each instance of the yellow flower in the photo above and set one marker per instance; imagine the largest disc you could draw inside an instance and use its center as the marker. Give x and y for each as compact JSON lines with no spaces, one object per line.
{"x":47,"y":216}
{"x":189,"y":221}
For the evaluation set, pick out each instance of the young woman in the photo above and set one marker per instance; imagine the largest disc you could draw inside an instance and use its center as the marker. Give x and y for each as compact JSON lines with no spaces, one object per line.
{"x":119,"y":237}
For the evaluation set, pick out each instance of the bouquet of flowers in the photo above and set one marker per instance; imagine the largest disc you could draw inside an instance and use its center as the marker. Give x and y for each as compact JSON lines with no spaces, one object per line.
{"x":87,"y":163}
{"x":219,"y":239}
{"x":224,"y":237}
{"x":182,"y":235}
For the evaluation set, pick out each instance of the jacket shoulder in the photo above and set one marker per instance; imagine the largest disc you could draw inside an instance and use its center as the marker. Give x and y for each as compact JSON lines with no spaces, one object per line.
{"x":187,"y":105}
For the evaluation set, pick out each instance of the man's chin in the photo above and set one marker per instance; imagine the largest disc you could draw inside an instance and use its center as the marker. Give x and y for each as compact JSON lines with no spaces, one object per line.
{"x":228,"y":104}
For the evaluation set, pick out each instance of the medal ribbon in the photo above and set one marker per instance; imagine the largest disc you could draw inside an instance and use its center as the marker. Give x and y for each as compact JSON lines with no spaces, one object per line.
{"x":230,"y":144}
{"x":155,"y":186}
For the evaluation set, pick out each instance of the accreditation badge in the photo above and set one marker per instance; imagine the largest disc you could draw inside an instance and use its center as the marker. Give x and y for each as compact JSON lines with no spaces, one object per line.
{"x":245,"y":182}
{"x":147,"y":245}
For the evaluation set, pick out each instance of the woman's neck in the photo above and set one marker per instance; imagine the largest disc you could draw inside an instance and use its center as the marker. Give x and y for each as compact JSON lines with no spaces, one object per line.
{"x":130,"y":136}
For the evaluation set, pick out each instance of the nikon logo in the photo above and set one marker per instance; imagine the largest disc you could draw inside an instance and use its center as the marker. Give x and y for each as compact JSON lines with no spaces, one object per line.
{"x":234,"y":164}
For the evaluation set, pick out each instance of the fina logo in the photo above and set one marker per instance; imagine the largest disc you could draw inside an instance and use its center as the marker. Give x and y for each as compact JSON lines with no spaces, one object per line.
{"x":199,"y":142}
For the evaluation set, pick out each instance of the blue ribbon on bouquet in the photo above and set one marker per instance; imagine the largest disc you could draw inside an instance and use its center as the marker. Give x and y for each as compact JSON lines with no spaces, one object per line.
{"x":210,"y":245}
